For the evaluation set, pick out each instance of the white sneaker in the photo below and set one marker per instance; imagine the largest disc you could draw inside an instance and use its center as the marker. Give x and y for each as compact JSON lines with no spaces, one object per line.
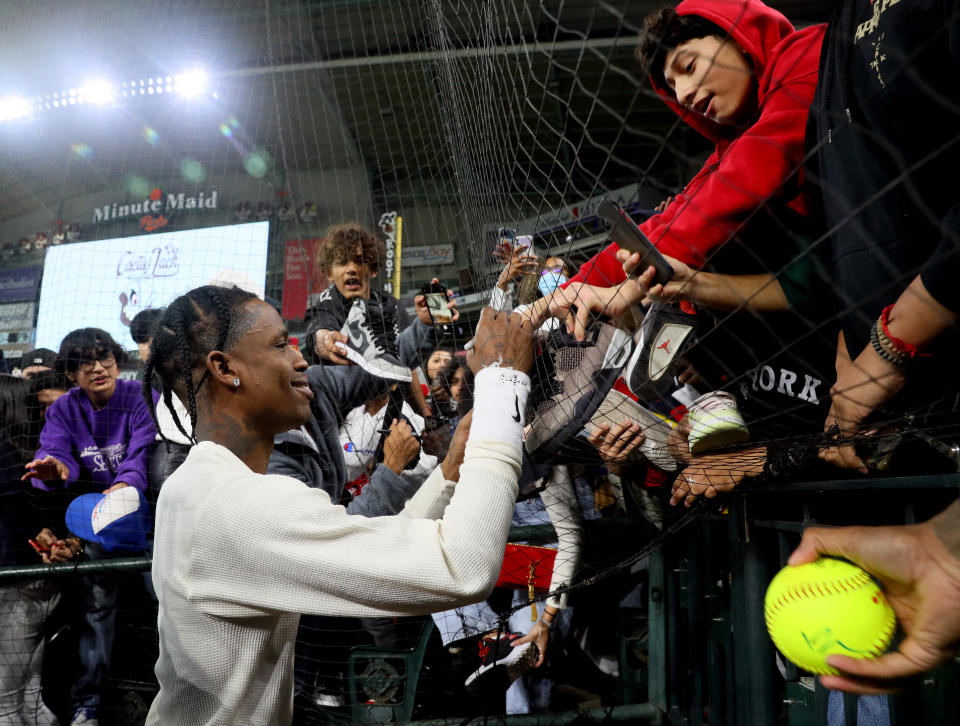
{"x":502,"y":664}
{"x":367,"y":349}
{"x":715,"y":422}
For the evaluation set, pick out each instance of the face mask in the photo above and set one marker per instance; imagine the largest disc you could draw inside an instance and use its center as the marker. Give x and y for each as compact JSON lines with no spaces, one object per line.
{"x":550,"y":281}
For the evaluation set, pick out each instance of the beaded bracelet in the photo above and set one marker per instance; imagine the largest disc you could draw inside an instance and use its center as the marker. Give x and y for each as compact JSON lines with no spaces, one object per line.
{"x":887,"y":352}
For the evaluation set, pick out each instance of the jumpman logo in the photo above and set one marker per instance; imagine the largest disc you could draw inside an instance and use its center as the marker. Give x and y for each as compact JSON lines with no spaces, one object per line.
{"x":665,"y":346}
{"x":516,"y":404}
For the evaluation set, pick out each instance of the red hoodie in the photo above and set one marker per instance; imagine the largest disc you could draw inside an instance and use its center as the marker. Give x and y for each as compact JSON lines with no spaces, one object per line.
{"x":743,"y":171}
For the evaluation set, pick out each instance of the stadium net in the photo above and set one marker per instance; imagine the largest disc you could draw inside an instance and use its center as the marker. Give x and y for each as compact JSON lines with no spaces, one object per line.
{"x":151,"y":149}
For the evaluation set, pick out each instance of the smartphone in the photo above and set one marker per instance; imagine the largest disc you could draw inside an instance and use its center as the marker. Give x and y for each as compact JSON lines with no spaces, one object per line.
{"x":432,"y":423}
{"x":507,"y":236}
{"x":436,"y":297}
{"x":628,"y":236}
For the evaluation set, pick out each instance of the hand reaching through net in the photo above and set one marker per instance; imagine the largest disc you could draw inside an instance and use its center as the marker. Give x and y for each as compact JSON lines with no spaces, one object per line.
{"x":711,"y":474}
{"x":862,"y":385}
{"x":680,"y":287}
{"x":616,"y":445}
{"x":575,"y":303}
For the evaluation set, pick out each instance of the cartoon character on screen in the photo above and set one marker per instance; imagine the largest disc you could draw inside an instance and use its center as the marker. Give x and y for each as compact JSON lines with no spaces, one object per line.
{"x":129,"y":307}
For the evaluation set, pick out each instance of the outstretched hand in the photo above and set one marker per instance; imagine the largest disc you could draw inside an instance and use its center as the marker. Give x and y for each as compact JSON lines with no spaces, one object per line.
{"x":680,"y":286}
{"x":708,"y":475}
{"x":862,"y":386}
{"x":919,"y":569}
{"x":46,"y":469}
{"x":590,"y":299}
{"x":617,"y":444}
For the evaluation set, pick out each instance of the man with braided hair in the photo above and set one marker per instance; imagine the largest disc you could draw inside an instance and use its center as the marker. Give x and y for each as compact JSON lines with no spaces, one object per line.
{"x":239,"y":553}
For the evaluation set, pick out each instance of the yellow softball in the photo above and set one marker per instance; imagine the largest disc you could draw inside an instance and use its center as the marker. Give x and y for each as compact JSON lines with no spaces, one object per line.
{"x":827,"y":607}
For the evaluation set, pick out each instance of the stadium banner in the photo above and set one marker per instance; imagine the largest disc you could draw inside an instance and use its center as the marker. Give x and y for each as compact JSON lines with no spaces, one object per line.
{"x":302,"y":278}
{"x":156,"y":209}
{"x":392,"y":227}
{"x":19,"y":284}
{"x":104,"y":284}
{"x":428,"y":255}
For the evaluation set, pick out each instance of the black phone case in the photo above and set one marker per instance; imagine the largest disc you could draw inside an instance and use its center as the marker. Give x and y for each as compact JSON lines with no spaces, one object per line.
{"x":627,"y":235}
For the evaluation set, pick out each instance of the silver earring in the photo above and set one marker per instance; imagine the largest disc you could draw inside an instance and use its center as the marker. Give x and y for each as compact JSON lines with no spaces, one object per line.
{"x":236,"y":383}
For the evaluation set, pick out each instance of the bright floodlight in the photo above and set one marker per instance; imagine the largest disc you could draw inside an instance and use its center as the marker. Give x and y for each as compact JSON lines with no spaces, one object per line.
{"x":97,"y":91}
{"x":192,"y":83}
{"x":12,"y":107}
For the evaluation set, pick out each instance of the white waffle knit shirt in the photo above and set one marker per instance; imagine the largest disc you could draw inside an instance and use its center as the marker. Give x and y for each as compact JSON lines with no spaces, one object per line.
{"x":238,"y":556}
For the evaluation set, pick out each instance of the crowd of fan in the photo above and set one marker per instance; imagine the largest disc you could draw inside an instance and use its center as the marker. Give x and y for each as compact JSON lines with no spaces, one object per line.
{"x":738,"y":368}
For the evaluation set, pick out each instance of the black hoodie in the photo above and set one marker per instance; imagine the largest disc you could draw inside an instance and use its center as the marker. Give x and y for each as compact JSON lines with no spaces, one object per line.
{"x":885,"y":131}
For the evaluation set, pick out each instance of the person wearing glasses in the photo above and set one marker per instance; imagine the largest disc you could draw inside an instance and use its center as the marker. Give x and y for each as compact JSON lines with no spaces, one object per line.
{"x":96,"y":438}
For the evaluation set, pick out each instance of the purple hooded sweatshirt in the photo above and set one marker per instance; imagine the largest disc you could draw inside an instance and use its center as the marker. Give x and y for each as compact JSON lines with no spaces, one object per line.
{"x":100,"y":447}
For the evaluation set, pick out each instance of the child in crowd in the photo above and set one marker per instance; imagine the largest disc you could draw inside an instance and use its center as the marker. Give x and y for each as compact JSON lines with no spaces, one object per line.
{"x":96,"y":438}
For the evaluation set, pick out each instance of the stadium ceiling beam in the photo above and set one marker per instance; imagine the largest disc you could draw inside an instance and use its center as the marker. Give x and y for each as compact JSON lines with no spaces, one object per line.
{"x":429,"y":56}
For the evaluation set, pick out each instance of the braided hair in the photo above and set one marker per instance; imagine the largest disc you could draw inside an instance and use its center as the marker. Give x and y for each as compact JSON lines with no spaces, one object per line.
{"x":205,"y":319}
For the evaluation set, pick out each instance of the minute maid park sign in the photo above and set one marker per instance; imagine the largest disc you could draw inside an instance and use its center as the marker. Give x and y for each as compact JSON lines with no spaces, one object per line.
{"x":155,"y":208}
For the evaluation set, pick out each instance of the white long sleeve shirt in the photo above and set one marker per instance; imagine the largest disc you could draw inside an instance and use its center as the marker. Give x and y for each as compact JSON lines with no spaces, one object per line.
{"x":238,"y":556}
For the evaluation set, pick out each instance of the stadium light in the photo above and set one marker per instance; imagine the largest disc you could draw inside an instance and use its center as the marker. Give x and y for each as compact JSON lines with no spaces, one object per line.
{"x":97,"y":91}
{"x":13,"y":107}
{"x":192,"y":83}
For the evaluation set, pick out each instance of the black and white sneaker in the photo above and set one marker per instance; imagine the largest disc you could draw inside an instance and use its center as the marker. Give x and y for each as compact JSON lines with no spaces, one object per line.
{"x":501,"y":664}
{"x":668,"y":330}
{"x":569,"y":382}
{"x":369,"y":345}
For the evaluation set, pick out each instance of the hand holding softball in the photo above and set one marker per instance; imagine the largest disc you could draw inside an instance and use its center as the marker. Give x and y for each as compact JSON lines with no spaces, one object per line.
{"x":824,"y":608}
{"x":919,"y":568}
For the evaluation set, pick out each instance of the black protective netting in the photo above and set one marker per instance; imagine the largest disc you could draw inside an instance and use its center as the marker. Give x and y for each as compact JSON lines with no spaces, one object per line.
{"x":316,"y":153}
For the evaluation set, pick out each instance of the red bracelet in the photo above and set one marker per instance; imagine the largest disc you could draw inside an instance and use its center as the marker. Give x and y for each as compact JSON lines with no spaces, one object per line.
{"x":902,"y":346}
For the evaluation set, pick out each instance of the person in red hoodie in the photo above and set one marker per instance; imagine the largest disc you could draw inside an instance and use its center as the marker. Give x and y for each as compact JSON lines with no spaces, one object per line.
{"x":739,"y":73}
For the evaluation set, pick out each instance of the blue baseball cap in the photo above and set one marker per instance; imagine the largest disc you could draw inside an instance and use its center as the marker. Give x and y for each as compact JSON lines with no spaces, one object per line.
{"x":119,"y":521}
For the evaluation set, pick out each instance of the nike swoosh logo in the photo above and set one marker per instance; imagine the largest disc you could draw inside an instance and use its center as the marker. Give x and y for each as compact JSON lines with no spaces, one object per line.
{"x":357,"y":337}
{"x":516,"y":405}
